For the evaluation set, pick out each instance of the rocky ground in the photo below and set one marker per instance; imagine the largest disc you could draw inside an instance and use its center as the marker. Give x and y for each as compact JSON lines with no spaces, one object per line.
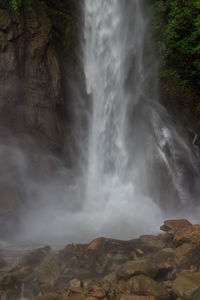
{"x":162,"y":267}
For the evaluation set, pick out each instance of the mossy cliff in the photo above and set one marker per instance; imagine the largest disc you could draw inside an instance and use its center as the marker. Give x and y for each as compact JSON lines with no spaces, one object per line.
{"x":177,"y":35}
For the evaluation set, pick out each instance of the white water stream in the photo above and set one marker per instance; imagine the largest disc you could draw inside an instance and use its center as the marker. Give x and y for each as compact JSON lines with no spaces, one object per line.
{"x":136,"y":159}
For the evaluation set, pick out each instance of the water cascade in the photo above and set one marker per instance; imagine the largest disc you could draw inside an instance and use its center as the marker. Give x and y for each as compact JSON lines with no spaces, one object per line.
{"x":22,"y":292}
{"x":138,"y":163}
{"x":136,"y":167}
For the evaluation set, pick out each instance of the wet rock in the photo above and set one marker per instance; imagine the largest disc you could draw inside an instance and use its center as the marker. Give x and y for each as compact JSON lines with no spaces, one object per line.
{"x":137,"y":267}
{"x":98,"y":291}
{"x":97,"y":271}
{"x":75,"y":283}
{"x":143,"y":285}
{"x":133,"y":297}
{"x":163,"y":256}
{"x":47,"y":272}
{"x":152,"y":242}
{"x":165,"y":271}
{"x":73,"y":297}
{"x":119,"y":258}
{"x":49,"y":296}
{"x":34,"y":258}
{"x":186,"y":255}
{"x":172,"y":226}
{"x":110,"y":278}
{"x":8,"y":281}
{"x":188,"y":234}
{"x":187,"y":286}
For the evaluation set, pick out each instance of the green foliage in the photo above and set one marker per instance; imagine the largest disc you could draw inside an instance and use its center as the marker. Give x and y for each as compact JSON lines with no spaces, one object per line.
{"x":29,"y":4}
{"x":177,"y":32}
{"x":15,"y":4}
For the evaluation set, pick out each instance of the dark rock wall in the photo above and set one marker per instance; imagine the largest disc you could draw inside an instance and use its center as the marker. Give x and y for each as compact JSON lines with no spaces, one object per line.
{"x":38,"y":51}
{"x":42,"y":93}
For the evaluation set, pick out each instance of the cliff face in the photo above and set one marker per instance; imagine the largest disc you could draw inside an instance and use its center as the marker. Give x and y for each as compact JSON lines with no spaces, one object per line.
{"x":35,"y":43}
{"x":39,"y":63}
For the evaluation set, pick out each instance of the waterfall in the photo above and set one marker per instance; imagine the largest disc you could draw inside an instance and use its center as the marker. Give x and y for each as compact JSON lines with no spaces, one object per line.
{"x":22,"y":292}
{"x":137,"y":167}
{"x":138,"y":163}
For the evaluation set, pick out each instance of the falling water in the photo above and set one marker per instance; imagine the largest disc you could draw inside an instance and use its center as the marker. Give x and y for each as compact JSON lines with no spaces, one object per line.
{"x":136,"y":157}
{"x":22,"y":292}
{"x":140,"y":167}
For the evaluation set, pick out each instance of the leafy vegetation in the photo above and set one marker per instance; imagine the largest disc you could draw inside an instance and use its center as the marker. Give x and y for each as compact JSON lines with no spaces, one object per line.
{"x":17,"y":4}
{"x":177,"y":33}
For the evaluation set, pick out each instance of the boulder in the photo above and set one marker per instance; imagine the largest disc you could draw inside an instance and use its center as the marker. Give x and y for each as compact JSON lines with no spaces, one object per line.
{"x":137,"y":267}
{"x":74,"y":297}
{"x":145,"y":286}
{"x":49,"y":296}
{"x":98,"y":291}
{"x":94,"y":244}
{"x":187,"y":286}
{"x":186,"y":255}
{"x":133,"y":297}
{"x":120,"y":258}
{"x":163,"y":256}
{"x":47,"y":272}
{"x":151,"y":242}
{"x":173,"y":226}
{"x":110,"y":278}
{"x":191,"y":233}
{"x":75,"y":283}
{"x":36,"y":257}
{"x":9,"y":281}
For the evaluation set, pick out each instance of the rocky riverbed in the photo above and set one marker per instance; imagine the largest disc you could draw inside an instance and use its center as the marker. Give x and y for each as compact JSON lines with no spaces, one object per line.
{"x":152,"y":267}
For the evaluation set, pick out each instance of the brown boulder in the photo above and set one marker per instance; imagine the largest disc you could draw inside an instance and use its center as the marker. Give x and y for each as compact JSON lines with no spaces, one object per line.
{"x":75,"y":283}
{"x":172,"y":226}
{"x":47,"y":272}
{"x":133,"y":297}
{"x":163,"y":256}
{"x":186,"y":255}
{"x":94,"y":244}
{"x":145,"y":286}
{"x":98,"y":291}
{"x":137,"y":267}
{"x":49,"y":296}
{"x":187,"y":286}
{"x":8,"y":281}
{"x":152,"y":242}
{"x":110,"y":278}
{"x":36,"y":257}
{"x":191,"y":233}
